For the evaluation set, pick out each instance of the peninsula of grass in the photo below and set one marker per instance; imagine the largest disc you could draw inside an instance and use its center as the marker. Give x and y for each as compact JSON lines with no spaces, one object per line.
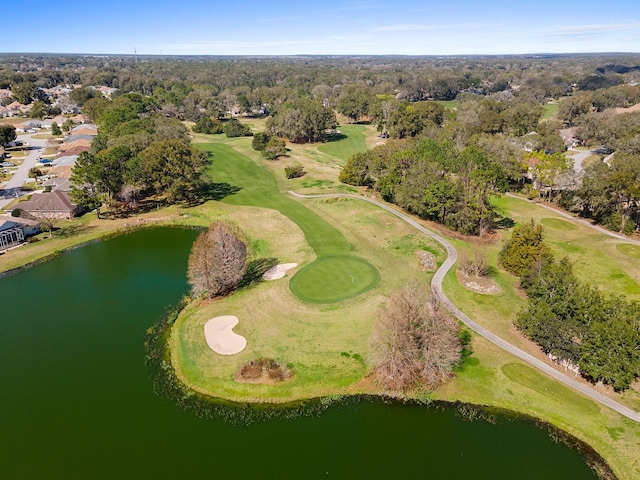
{"x":333,"y":279}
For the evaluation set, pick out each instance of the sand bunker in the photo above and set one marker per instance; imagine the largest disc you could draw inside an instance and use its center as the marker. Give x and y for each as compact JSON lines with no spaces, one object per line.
{"x":278,"y":271}
{"x":220,"y":337}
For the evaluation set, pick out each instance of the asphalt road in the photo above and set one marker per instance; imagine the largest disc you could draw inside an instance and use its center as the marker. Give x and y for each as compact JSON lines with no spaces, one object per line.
{"x":12,"y":188}
{"x":436,"y":285}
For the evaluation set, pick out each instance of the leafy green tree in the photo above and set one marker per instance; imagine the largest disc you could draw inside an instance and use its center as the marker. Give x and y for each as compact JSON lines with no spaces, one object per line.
{"x":354,"y":101}
{"x":81,"y":95}
{"x":23,"y":92}
{"x":440,"y":197}
{"x":85,"y":181}
{"x":95,"y":107}
{"x":7,"y":134}
{"x":173,"y":168}
{"x":234,"y":128}
{"x":611,"y":352}
{"x":55,"y":130}
{"x":38,"y":110}
{"x":524,"y":249}
{"x":612,"y":194}
{"x":208,"y":126}
{"x":301,"y":121}
{"x":355,"y":171}
{"x":259,"y":142}
{"x":68,"y":125}
{"x":275,"y":147}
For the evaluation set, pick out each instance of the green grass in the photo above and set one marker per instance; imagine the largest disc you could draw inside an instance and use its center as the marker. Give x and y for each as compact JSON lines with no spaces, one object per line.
{"x":550,"y":111}
{"x":449,"y":104}
{"x":558,"y":224}
{"x":597,"y":259}
{"x":257,"y":187}
{"x":354,"y":141}
{"x":334,"y":279}
{"x":530,"y":378}
{"x":630,"y":250}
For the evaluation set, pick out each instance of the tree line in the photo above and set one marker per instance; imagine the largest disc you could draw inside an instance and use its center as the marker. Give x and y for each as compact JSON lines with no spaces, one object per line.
{"x":137,"y":154}
{"x":433,"y":180}
{"x":570,"y":320}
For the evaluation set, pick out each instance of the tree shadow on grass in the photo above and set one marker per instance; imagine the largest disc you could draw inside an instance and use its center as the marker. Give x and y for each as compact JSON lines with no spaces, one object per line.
{"x":218,"y":191}
{"x":255,"y":269}
{"x":505,"y":223}
{"x":334,"y":137}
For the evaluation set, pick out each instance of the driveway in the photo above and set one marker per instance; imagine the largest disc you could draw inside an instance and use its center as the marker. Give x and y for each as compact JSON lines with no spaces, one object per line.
{"x":12,"y":188}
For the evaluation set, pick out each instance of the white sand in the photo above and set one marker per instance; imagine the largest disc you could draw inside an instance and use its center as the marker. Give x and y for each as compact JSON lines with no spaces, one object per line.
{"x":220,"y":337}
{"x":278,"y":271}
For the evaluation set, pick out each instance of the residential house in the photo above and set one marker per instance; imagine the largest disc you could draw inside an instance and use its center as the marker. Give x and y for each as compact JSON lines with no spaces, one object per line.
{"x":55,"y":204}
{"x":67,"y":147}
{"x":4,"y":93}
{"x":84,"y":129}
{"x":14,"y":230}
{"x":73,"y":138}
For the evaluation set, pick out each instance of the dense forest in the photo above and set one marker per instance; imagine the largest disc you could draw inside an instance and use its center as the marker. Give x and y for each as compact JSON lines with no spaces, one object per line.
{"x":493,"y":123}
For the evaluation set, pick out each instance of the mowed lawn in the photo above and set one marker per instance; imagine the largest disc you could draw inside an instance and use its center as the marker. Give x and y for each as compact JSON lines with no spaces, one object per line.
{"x":353,"y":140}
{"x":256,"y":186}
{"x":326,"y":344}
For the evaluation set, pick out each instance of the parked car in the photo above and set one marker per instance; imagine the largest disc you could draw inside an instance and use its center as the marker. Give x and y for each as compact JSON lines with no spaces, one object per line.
{"x":7,"y":164}
{"x":45,"y":161}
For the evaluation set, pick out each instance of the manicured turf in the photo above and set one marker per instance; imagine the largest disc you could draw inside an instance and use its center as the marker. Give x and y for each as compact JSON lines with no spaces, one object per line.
{"x":255,"y":186}
{"x":449,"y":104}
{"x":353,"y":141}
{"x":631,"y":250}
{"x":334,"y":279}
{"x":325,"y":279}
{"x":550,"y":111}
{"x":558,"y":224}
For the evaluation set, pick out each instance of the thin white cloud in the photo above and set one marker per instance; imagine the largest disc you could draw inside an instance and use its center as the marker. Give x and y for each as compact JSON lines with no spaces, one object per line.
{"x":408,"y":27}
{"x":592,"y":28}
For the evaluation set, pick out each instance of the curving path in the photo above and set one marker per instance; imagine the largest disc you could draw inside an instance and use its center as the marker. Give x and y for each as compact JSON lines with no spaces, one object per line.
{"x":436,"y":285}
{"x":575,"y":219}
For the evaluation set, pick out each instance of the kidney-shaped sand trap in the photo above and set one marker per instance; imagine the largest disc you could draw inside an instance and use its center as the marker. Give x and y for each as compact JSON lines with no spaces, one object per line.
{"x":220,"y":337}
{"x":278,"y":271}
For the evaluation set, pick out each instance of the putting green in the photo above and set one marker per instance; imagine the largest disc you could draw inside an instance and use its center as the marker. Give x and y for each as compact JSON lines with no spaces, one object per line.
{"x":333,"y":279}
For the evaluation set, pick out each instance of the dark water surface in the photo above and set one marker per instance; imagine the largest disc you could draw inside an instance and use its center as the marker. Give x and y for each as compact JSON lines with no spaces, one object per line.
{"x":76,"y":401}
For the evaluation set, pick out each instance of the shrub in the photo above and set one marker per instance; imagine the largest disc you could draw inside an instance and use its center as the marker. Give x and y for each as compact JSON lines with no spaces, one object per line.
{"x":259,"y":142}
{"x":275,"y":147}
{"x":294,"y":171}
{"x":233,"y":128}
{"x":208,"y":126}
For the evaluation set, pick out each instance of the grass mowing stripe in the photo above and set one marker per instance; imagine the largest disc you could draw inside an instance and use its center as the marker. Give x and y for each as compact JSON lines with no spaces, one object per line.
{"x":258,"y":188}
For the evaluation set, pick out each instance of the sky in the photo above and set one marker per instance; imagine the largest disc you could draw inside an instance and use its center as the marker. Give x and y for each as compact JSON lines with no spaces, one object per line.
{"x":360,"y":27}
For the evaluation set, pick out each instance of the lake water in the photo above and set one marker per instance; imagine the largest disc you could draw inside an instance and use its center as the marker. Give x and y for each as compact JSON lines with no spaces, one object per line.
{"x":76,"y":400}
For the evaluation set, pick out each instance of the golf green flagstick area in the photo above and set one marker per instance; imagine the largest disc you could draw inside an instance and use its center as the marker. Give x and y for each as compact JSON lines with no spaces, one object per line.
{"x":333,"y":279}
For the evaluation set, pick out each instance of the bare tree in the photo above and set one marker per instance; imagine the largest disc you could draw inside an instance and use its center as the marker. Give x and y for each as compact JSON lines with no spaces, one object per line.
{"x":217,"y":261}
{"x":415,"y":344}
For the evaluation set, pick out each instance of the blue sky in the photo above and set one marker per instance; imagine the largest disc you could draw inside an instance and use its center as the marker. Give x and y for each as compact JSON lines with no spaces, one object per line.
{"x":407,"y":27}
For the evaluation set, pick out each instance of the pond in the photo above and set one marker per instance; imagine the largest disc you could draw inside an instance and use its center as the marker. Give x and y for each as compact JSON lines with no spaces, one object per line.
{"x":76,"y":400}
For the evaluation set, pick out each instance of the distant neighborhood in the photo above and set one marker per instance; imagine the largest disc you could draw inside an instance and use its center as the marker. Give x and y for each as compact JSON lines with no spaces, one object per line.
{"x":40,"y":159}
